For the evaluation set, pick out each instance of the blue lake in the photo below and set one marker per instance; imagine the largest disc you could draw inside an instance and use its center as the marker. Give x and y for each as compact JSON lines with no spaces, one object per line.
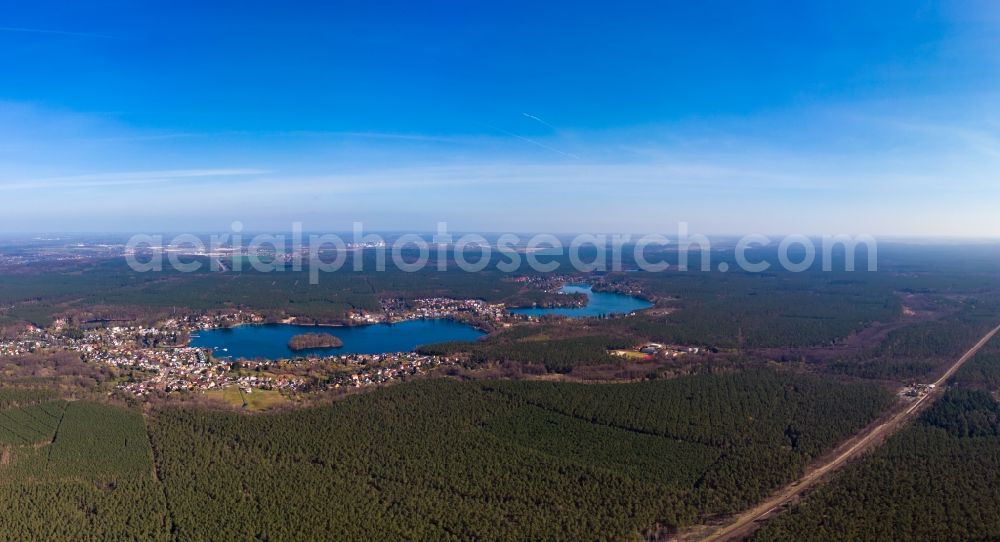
{"x":270,"y":341}
{"x":598,"y":303}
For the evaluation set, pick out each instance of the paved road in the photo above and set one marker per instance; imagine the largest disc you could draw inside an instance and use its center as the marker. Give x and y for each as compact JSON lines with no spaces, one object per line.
{"x":746,"y":523}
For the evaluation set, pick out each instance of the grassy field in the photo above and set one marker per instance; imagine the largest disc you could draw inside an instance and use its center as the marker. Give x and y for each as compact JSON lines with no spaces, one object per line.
{"x":258,"y":400}
{"x":630,"y":354}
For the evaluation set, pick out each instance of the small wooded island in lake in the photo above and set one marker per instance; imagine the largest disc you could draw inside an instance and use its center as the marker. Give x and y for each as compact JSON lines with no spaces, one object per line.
{"x":306,"y":341}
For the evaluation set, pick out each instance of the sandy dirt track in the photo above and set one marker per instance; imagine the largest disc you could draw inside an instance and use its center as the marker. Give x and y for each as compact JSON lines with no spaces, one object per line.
{"x":741,"y":526}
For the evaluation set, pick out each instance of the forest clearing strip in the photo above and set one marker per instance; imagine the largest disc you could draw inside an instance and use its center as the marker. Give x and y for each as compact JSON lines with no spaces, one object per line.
{"x":55,"y":435}
{"x":743,"y":525}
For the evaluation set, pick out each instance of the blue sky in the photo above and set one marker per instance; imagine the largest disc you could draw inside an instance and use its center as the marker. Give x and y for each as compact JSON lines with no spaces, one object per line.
{"x":737,"y":117}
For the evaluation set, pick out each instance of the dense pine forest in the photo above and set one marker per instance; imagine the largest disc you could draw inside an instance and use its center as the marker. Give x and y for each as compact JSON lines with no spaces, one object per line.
{"x":446,"y":460}
{"x":77,"y":471}
{"x":937,"y":480}
{"x":436,"y":459}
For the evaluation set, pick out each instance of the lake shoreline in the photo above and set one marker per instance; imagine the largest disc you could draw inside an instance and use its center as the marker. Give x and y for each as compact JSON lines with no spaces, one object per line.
{"x":253,"y":340}
{"x":598,"y":304}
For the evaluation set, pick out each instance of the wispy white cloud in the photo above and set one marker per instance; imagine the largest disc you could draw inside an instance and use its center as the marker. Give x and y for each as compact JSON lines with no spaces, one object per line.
{"x":533,"y":142}
{"x":54,"y":32}
{"x":981,"y":139}
{"x":533,"y":117}
{"x":144,"y":137}
{"x":696,"y":182}
{"x":796,"y":167}
{"x":125,"y":178}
